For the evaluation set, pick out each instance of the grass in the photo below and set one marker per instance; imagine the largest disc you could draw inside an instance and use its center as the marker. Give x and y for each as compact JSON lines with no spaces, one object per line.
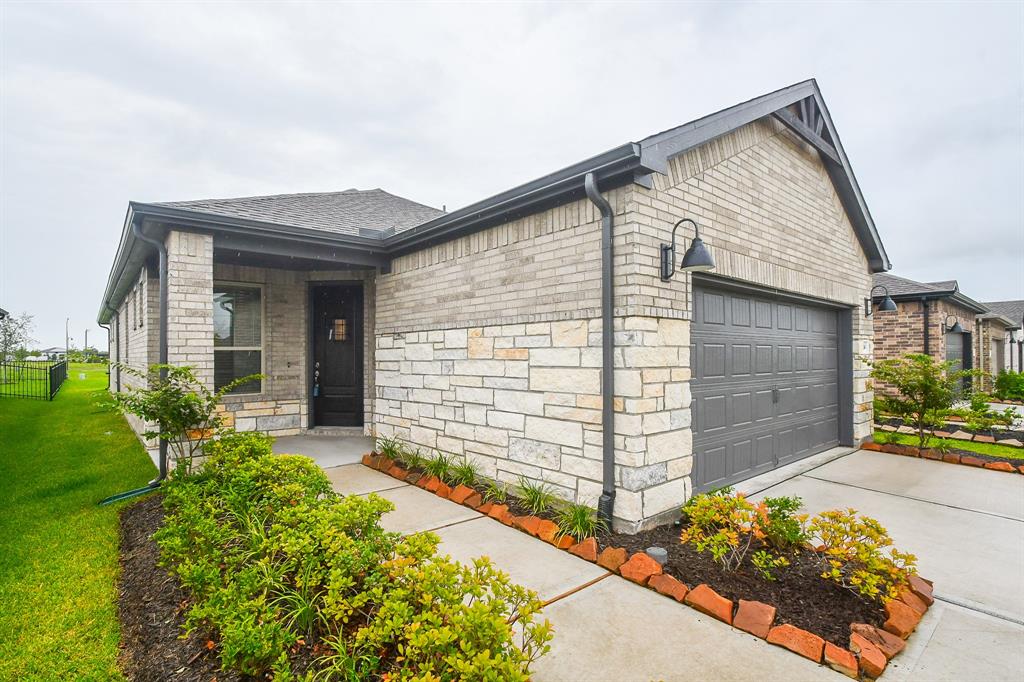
{"x":58,"y":561}
{"x":990,"y":449}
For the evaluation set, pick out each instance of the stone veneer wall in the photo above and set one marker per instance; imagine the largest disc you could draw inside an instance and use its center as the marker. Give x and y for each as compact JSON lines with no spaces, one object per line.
{"x":525,"y":400}
{"x":989,"y":333}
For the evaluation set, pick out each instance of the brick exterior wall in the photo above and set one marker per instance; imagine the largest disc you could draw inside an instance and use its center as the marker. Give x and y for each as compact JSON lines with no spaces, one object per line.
{"x":902,"y":331}
{"x":989,"y":350}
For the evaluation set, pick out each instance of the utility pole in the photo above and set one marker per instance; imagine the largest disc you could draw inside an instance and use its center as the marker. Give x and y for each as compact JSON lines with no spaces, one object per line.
{"x":86,"y":346}
{"x":67,"y":337}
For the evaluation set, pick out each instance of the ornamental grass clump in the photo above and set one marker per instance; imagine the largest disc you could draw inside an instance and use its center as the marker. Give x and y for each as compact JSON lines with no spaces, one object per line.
{"x":579,"y":522}
{"x":279,"y":566}
{"x":857,"y":553}
{"x":537,"y":497}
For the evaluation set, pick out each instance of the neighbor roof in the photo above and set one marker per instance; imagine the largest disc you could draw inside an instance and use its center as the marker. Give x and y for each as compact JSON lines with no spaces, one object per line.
{"x":378,"y":226}
{"x":903,"y":289}
{"x":351,"y":212}
{"x":1010,"y":310}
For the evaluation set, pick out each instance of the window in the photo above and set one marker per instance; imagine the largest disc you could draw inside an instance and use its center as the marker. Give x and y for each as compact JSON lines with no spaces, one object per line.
{"x":237,"y":335}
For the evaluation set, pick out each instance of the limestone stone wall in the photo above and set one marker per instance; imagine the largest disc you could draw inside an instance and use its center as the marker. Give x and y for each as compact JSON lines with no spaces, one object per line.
{"x":524,"y":399}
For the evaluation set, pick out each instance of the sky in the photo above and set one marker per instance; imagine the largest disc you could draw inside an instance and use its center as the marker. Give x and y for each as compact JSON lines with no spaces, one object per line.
{"x":103,"y":103}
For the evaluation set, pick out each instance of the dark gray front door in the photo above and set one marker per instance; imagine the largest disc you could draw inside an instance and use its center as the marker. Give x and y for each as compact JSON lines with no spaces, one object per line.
{"x":765,"y":383}
{"x":337,"y":354}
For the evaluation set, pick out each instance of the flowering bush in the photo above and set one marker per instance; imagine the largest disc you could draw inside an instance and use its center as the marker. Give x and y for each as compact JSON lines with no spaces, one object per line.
{"x":857,"y":552}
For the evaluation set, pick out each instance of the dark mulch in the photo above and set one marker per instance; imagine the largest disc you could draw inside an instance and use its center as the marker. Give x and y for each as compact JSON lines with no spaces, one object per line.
{"x":799,"y":593}
{"x":151,"y":606}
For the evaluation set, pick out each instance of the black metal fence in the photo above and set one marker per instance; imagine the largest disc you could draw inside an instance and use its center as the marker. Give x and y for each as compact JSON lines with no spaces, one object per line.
{"x":39,"y":380}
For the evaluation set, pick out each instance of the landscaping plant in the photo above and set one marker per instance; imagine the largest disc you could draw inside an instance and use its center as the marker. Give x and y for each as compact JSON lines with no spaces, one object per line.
{"x":537,"y":497}
{"x":857,"y":553}
{"x":440,"y":465}
{"x":463,"y":473}
{"x":496,"y":492}
{"x":925,"y":389}
{"x":728,"y":526}
{"x":579,"y":521}
{"x":280,"y":566}
{"x":182,"y":408}
{"x":1009,"y":385}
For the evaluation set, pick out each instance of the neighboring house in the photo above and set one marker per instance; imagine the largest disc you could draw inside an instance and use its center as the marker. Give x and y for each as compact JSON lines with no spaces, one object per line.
{"x":925,"y":319}
{"x":54,"y":353}
{"x":1006,"y":337}
{"x":479,"y":332}
{"x":4,"y":314}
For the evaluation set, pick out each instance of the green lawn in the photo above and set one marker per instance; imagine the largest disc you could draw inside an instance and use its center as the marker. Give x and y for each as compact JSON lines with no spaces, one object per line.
{"x":58,"y":550}
{"x":983,"y":448}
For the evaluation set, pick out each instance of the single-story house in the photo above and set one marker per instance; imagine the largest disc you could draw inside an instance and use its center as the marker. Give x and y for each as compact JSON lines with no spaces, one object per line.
{"x":54,"y":353}
{"x":480,"y":332}
{"x":937,"y":319}
{"x":1006,"y":336}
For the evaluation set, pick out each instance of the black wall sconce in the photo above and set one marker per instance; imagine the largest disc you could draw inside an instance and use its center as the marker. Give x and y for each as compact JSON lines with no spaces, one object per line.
{"x":696,"y":259}
{"x":886,"y":306}
{"x":955,"y":328}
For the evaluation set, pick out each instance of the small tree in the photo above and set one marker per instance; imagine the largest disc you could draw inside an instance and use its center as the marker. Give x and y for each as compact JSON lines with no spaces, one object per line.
{"x":926,"y":389}
{"x":182,"y":407}
{"x":15,"y":334}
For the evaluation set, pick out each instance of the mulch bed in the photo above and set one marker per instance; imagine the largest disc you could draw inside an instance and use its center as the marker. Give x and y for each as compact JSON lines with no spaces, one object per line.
{"x":151,"y":606}
{"x":803,"y":598}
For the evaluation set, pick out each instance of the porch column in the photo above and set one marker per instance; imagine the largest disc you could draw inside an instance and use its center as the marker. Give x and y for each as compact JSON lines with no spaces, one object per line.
{"x":190,"y":302}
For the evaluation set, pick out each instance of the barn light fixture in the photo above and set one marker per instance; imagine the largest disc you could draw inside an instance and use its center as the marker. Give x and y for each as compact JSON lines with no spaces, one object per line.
{"x":696,"y":259}
{"x":886,"y":306}
{"x":955,"y":328}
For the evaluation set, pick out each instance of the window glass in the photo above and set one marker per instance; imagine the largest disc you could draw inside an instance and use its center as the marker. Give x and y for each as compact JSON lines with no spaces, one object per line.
{"x":237,"y":336}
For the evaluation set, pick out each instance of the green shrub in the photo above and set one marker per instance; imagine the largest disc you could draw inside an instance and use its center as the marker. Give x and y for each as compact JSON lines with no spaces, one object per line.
{"x":440,"y":465}
{"x":496,"y":492}
{"x":463,"y":473}
{"x":579,"y":521}
{"x":272,"y":555}
{"x":1010,"y":385}
{"x":726,"y":525}
{"x":389,"y":447}
{"x":783,"y":527}
{"x":857,"y":553}
{"x":537,"y":497}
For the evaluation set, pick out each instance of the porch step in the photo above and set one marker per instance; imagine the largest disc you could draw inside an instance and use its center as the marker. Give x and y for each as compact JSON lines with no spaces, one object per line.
{"x":336,"y":431}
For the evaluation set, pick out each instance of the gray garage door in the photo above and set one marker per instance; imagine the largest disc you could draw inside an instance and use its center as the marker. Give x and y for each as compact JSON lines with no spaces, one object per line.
{"x":765,"y":388}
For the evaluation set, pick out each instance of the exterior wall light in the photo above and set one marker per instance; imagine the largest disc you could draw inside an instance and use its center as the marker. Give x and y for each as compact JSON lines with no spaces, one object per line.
{"x":954,"y":329}
{"x":696,"y":259}
{"x":886,"y":306}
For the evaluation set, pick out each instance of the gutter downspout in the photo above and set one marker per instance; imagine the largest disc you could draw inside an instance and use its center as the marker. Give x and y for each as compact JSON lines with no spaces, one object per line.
{"x":162,"y":471}
{"x":606,"y":503}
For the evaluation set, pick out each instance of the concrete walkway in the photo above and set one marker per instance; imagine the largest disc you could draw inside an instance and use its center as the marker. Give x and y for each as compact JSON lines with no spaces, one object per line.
{"x":966,"y":527}
{"x":605,"y":627}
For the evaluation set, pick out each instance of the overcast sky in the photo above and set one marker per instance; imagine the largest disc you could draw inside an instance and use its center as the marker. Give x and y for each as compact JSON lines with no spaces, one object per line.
{"x":103,"y":103}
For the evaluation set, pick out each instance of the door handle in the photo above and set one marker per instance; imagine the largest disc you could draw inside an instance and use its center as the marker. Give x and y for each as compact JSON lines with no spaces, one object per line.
{"x":775,"y":394}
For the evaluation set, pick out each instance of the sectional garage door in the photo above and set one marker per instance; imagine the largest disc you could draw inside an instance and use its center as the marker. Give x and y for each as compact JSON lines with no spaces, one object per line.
{"x":765,"y":383}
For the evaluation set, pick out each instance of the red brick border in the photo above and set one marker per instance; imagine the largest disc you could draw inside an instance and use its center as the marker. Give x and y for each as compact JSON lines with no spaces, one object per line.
{"x":870,"y":648}
{"x":948,"y":457}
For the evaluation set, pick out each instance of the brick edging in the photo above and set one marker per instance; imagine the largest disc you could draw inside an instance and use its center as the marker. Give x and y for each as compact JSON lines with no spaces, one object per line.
{"x":870,"y":648}
{"x":948,"y":457}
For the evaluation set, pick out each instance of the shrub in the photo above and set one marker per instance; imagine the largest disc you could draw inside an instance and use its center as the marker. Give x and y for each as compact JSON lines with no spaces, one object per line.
{"x":271,"y":556}
{"x":783,"y":527}
{"x":1009,"y":385}
{"x":857,"y":553}
{"x":182,"y":407}
{"x":440,"y":465}
{"x":926,"y":389}
{"x":389,"y":447}
{"x":726,"y":525}
{"x":537,"y":497}
{"x":496,"y":492}
{"x":579,"y":521}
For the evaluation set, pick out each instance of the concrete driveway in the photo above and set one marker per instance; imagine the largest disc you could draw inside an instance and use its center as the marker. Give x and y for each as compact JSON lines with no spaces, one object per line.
{"x":966,"y":527}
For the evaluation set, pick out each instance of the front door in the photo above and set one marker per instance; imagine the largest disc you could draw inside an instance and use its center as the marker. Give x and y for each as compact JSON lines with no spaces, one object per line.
{"x":337,"y":355}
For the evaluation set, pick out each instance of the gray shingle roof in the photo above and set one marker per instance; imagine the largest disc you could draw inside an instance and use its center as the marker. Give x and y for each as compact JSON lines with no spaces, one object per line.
{"x":344,"y":212}
{"x":901,"y":286}
{"x":1011,"y":310}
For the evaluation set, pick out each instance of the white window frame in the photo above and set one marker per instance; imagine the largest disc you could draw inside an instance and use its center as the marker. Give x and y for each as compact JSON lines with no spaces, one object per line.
{"x":261,"y":348}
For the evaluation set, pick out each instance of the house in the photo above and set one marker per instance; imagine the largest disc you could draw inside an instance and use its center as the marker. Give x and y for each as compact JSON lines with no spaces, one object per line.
{"x":1006,"y":336}
{"x":4,"y":314}
{"x":480,"y":331}
{"x":54,"y":353}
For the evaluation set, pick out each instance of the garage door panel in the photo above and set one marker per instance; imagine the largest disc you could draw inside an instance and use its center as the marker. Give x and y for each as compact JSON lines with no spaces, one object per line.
{"x":765,"y":387}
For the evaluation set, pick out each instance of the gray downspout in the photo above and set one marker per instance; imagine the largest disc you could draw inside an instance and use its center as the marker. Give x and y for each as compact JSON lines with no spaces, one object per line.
{"x":606,"y":503}
{"x":162,"y":250}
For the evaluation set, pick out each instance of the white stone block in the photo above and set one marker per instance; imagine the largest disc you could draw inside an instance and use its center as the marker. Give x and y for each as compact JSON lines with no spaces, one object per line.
{"x":554,"y":431}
